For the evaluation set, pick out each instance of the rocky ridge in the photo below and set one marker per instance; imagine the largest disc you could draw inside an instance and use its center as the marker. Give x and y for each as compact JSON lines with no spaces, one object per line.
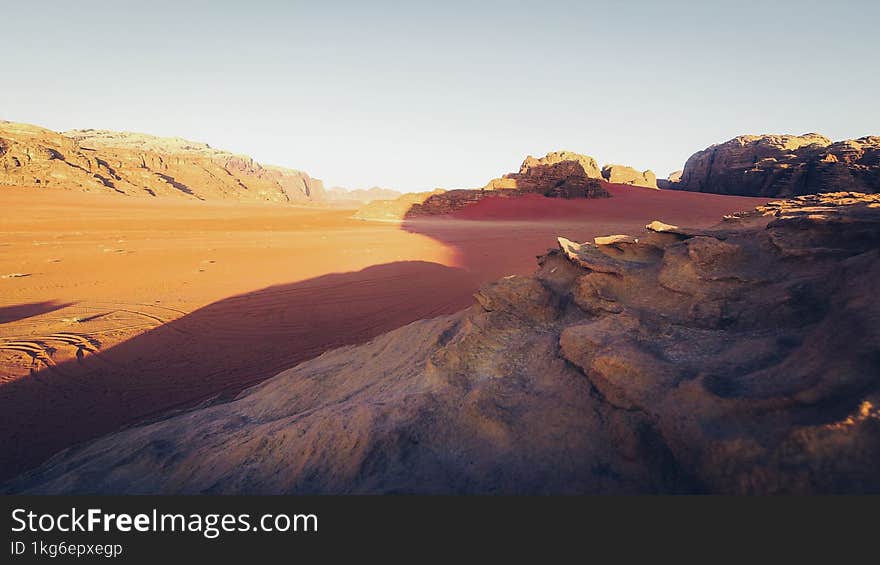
{"x":784,"y":166}
{"x":738,"y":359}
{"x":142,"y":165}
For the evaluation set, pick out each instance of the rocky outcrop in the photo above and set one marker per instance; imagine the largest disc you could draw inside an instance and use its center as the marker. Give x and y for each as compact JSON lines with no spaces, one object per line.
{"x":738,"y":359}
{"x":142,"y":165}
{"x":556,"y":174}
{"x":671,"y":181}
{"x":784,"y":165}
{"x":621,"y":174}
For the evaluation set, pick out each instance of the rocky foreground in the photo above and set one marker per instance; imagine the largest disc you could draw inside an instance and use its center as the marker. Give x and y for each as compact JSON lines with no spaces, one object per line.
{"x":739,"y":359}
{"x":142,"y":165}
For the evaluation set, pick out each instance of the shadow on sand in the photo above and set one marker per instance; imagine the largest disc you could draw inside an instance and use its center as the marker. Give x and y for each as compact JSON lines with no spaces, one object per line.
{"x":18,"y":312}
{"x":216,"y":350}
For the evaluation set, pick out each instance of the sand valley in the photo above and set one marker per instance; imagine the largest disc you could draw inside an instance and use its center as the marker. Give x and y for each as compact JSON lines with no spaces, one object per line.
{"x":116,"y":309}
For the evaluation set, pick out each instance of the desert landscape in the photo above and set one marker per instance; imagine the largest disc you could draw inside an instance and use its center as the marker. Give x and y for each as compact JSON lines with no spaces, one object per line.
{"x":121,"y":308}
{"x":283,"y":279}
{"x":179,"y":319}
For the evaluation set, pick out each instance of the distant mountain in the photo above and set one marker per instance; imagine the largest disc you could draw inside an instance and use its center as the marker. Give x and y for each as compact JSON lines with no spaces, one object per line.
{"x":362,"y":195}
{"x":142,"y":165}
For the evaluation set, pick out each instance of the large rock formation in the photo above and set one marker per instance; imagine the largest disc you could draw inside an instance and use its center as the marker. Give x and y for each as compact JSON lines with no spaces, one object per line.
{"x":740,"y":359}
{"x":557,"y":174}
{"x":784,"y":165}
{"x":621,"y":174}
{"x":142,"y":165}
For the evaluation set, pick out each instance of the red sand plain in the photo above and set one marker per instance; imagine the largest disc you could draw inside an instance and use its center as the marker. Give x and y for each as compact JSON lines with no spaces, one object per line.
{"x":115,"y":310}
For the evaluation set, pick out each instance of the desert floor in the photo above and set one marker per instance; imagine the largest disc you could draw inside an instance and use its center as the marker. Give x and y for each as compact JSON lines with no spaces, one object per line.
{"x":115,"y":310}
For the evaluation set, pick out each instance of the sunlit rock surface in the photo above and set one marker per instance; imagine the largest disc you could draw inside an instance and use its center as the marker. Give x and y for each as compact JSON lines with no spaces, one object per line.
{"x":783,"y":166}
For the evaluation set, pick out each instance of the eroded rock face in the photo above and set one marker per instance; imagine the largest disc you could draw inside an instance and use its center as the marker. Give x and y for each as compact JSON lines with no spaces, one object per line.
{"x":740,"y":359}
{"x":784,"y":165}
{"x":621,"y":174}
{"x":557,"y":174}
{"x":142,"y":165}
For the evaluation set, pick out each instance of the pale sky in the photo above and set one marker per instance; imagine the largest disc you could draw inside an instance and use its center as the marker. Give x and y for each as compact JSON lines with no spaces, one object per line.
{"x":418,"y":95}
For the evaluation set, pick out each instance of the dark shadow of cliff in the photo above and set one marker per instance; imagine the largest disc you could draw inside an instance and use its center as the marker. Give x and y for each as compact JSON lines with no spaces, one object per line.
{"x":219,"y":349}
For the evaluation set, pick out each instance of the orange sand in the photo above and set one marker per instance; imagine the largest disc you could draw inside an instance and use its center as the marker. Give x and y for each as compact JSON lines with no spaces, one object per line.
{"x":134,"y":307}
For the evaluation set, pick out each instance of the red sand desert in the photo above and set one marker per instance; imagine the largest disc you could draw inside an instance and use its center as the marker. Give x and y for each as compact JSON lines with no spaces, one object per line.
{"x":114,"y":310}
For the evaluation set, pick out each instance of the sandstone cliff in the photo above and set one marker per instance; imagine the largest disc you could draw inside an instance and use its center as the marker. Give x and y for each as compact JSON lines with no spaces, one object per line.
{"x":740,"y":359}
{"x":784,"y":165}
{"x":142,"y":165}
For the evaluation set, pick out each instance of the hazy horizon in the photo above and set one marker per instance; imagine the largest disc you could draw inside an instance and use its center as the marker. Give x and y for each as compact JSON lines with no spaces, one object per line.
{"x":418,"y":96}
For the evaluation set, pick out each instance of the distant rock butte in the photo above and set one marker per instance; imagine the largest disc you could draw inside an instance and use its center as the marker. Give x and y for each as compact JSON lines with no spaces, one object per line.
{"x":621,"y":174}
{"x":783,"y":166}
{"x":670,"y":182}
{"x":737,"y":359}
{"x":142,"y":165}
{"x":560,"y":174}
